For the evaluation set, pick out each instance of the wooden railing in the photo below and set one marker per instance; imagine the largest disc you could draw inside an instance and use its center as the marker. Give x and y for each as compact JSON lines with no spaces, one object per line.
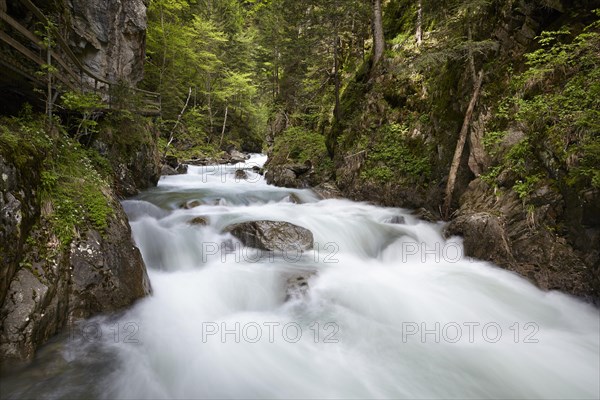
{"x":30,"y":55}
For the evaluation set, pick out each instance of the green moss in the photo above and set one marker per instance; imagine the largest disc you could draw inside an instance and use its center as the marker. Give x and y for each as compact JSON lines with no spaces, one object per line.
{"x":396,"y":156}
{"x":24,"y":141}
{"x":69,"y":181}
{"x":76,"y":190}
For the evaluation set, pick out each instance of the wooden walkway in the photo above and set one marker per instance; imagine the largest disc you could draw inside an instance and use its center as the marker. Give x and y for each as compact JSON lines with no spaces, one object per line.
{"x":27,"y":55}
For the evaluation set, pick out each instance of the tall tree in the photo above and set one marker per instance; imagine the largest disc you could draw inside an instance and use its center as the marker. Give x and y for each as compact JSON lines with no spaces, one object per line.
{"x":378,"y":38}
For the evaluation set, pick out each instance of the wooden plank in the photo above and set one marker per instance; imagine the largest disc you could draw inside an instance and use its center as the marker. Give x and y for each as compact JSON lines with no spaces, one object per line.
{"x":39,"y":15}
{"x":21,"y":49}
{"x":64,"y":65}
{"x":15,"y":67}
{"x":21,"y":29}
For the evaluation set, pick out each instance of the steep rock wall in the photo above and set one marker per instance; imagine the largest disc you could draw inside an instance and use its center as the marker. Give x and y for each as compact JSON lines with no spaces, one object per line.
{"x":110,"y":36}
{"x":396,"y":140}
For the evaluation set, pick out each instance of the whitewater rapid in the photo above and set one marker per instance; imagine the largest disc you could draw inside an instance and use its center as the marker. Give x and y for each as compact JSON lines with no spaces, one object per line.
{"x":392,"y":310}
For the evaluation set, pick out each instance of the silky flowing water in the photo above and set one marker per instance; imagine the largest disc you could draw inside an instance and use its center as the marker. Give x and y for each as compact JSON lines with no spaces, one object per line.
{"x":391,"y":310}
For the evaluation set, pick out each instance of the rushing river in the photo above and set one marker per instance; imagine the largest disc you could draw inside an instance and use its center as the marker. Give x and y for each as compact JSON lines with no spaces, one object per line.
{"x":393,"y":310}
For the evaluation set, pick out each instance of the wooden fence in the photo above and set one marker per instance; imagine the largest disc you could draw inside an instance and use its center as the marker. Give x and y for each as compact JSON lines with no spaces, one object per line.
{"x":29,"y":56}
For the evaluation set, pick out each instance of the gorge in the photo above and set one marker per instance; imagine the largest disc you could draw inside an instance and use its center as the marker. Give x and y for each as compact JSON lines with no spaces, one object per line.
{"x":385,"y":199}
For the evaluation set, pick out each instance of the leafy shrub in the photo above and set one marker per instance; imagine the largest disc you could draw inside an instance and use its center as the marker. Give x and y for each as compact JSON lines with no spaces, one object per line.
{"x":396,"y":155}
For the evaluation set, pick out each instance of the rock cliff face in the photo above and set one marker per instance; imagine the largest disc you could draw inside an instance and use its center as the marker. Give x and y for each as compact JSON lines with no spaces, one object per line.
{"x":396,"y":140}
{"x":110,"y":36}
{"x":46,"y":281}
{"x":51,"y":287}
{"x":45,"y":284}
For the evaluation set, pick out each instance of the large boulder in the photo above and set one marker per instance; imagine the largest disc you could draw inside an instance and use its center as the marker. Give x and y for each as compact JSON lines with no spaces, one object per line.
{"x":498,"y":227}
{"x":484,"y":237}
{"x":299,"y":176}
{"x":273,"y":235}
{"x":328,"y":190}
{"x":55,"y":286}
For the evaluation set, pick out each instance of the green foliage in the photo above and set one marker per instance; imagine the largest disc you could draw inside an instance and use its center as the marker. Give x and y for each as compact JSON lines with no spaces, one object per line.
{"x":84,"y":105}
{"x":24,"y":141}
{"x":298,"y":145}
{"x":556,"y":102}
{"x":81,"y":102}
{"x":76,"y":192}
{"x":209,"y":47}
{"x":524,"y":187}
{"x":397,"y":156}
{"x":492,"y":140}
{"x":69,"y":184}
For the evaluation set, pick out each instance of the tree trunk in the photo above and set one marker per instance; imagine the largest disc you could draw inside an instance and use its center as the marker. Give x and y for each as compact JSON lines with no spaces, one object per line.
{"x":378,"y":39}
{"x":336,"y":73}
{"x":172,"y":136}
{"x":419,"y":33}
{"x":49,"y":88}
{"x":209,"y":105}
{"x":471,"y":58}
{"x":460,"y":145}
{"x":224,"y":126}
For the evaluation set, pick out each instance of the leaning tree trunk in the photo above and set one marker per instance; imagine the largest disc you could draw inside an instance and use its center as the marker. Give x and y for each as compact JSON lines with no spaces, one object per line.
{"x":460,"y":145}
{"x":172,"y":134}
{"x":378,"y":39}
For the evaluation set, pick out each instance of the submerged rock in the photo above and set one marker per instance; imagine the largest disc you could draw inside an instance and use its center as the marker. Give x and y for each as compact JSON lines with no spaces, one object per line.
{"x":201,"y":221}
{"x":297,"y":286}
{"x":240,"y":174}
{"x":188,"y":205}
{"x":397,"y":220}
{"x":292,"y":198}
{"x":273,"y":235}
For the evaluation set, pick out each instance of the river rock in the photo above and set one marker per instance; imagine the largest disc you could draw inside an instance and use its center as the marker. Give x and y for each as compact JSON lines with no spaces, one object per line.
{"x":273,"y":235}
{"x":397,"y":220}
{"x":199,"y":221}
{"x":167,"y":170}
{"x":328,"y":190}
{"x":237,"y":157}
{"x":484,"y":236}
{"x":188,"y":205}
{"x":182,"y":169}
{"x":56,"y":286}
{"x":240,"y":174}
{"x":297,"y":286}
{"x":292,"y":198}
{"x":501,"y":229}
{"x":172,"y":161}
